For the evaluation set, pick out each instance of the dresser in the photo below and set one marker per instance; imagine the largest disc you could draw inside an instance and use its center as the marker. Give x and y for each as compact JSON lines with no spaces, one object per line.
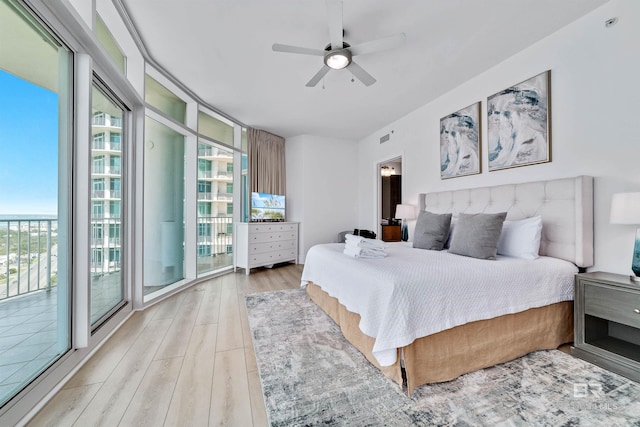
{"x":260,"y":244}
{"x":607,"y":322}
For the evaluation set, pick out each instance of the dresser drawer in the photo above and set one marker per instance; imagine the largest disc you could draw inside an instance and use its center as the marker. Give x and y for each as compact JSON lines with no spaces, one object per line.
{"x":272,"y":237}
{"x":271,"y":227}
{"x":618,"y":305}
{"x":257,"y":248}
{"x":256,"y":260}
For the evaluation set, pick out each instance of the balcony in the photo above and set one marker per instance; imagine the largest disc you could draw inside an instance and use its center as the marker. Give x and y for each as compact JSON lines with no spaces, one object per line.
{"x":97,"y":144}
{"x":29,"y":298}
{"x":204,"y":195}
{"x":214,"y":152}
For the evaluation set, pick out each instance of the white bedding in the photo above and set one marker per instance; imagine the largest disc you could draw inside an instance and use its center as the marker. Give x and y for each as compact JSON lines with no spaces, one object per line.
{"x":413,"y":293}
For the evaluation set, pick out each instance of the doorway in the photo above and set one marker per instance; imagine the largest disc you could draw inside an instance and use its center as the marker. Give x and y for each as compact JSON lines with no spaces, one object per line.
{"x":389,"y":196}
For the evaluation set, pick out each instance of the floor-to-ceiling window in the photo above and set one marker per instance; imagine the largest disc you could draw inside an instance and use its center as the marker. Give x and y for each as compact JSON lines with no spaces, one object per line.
{"x":35,"y":200}
{"x":107,"y":279}
{"x":215,"y":207}
{"x":215,"y":167}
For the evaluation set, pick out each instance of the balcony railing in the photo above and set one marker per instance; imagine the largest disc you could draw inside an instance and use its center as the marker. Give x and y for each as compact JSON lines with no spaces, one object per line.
{"x":106,"y":194}
{"x":28,"y":256}
{"x":214,"y":152}
{"x":107,"y":238}
{"x":217,"y":233}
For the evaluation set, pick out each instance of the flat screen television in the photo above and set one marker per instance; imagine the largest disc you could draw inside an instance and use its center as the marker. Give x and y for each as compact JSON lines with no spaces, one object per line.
{"x":267,"y":207}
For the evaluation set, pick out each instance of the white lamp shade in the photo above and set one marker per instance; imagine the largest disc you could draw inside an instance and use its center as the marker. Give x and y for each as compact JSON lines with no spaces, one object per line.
{"x":625,"y":208}
{"x":405,"y":212}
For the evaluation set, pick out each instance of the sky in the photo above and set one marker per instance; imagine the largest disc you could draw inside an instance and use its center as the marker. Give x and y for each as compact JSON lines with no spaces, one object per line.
{"x":28,"y":148}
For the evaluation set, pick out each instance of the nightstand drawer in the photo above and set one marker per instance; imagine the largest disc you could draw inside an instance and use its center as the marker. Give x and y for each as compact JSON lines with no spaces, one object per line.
{"x":608,"y":303}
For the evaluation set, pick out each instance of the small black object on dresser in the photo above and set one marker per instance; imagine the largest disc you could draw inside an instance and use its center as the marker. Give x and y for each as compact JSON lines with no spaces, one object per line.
{"x":607,"y":322}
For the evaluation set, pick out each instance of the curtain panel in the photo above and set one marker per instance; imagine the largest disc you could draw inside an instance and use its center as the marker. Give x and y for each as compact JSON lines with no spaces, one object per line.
{"x":266,"y":162}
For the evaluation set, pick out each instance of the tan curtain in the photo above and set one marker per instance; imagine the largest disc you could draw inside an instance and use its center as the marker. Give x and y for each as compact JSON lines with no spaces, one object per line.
{"x":266,"y":162}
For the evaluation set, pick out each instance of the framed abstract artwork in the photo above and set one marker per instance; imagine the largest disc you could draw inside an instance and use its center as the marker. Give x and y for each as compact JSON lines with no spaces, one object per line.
{"x":518,"y":124}
{"x":460,"y":143}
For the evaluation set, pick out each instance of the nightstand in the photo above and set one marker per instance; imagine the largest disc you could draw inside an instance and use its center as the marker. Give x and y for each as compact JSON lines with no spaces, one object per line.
{"x":391,"y":233}
{"x":607,"y":322}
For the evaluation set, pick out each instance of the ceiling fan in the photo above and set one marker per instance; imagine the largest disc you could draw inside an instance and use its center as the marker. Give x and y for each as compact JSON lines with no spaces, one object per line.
{"x":338,"y":54}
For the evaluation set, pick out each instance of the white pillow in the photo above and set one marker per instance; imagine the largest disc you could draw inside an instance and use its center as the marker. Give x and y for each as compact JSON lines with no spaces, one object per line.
{"x":521,"y":239}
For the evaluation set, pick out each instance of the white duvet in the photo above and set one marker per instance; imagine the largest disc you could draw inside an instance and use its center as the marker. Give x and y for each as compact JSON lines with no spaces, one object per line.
{"x":413,"y":293}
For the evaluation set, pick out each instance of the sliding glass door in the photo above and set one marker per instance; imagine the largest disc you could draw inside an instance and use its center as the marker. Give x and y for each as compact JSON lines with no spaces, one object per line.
{"x":107,"y":220}
{"x":35,"y":200}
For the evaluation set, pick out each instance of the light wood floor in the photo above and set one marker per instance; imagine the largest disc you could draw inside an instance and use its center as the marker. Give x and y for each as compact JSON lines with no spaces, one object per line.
{"x":186,"y":361}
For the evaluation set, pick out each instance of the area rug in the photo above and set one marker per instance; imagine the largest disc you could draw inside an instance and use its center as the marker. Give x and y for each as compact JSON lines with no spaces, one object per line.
{"x":312,"y":376}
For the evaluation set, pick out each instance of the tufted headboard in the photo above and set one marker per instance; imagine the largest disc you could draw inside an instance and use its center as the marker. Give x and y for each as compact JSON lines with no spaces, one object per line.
{"x":565,"y":205}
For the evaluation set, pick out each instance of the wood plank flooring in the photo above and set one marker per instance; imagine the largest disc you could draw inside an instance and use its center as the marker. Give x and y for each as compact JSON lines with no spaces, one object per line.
{"x":187,"y":361}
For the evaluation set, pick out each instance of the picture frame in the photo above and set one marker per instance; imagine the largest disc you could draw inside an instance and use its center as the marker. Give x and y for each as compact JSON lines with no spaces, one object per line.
{"x":519,"y":123}
{"x":460,"y":143}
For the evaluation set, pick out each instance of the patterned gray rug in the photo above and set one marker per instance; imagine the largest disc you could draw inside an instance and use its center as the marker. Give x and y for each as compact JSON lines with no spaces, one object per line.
{"x":312,"y":376}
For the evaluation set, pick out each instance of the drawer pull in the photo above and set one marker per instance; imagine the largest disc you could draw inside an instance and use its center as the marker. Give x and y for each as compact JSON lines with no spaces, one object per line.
{"x":636,"y":310}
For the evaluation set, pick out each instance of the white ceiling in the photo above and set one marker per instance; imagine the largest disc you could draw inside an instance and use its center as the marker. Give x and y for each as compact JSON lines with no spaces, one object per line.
{"x":221,"y":50}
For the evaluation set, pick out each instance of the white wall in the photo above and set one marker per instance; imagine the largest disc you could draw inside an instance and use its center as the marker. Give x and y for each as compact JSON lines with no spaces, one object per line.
{"x":321,"y":187}
{"x":595,"y":102}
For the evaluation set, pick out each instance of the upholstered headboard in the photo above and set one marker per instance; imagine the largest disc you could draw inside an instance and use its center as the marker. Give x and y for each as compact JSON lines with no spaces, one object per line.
{"x":565,"y":205}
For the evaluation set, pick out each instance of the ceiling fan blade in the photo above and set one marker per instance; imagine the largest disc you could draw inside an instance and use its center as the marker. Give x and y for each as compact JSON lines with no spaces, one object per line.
{"x":361,"y":74}
{"x":277,"y":47}
{"x":319,"y":75}
{"x":378,"y":45}
{"x":334,"y":15}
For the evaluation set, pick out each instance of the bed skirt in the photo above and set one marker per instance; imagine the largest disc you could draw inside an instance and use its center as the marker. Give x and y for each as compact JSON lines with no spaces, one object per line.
{"x":448,"y":354}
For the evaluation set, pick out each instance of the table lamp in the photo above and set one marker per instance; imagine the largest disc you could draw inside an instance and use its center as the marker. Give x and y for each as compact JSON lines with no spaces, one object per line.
{"x":405,"y":212}
{"x":625,"y":209}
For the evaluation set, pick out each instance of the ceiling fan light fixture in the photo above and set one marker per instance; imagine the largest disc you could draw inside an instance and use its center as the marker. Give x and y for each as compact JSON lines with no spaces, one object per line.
{"x":337,"y":59}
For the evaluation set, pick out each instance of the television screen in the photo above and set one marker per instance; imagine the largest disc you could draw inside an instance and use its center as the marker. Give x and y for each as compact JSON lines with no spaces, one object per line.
{"x":267,"y":207}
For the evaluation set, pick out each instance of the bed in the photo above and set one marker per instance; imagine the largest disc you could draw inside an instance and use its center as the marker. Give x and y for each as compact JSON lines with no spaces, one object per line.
{"x":372,"y":300}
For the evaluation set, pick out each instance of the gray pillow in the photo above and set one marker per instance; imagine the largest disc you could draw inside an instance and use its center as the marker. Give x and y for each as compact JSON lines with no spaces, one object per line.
{"x":431,"y":231}
{"x":477,"y":235}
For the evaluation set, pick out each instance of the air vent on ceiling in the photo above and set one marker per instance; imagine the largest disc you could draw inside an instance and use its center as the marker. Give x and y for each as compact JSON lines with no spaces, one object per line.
{"x":384,"y":138}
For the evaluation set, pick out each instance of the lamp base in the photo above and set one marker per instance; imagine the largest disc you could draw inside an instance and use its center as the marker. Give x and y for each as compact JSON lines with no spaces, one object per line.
{"x":405,"y":232}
